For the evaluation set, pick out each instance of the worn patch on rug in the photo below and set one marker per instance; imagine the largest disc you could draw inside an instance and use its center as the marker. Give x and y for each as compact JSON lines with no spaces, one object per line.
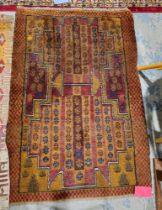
{"x":76,"y":125}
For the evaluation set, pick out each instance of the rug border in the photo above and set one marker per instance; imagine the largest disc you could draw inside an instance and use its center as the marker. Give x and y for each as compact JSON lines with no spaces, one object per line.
{"x":140,"y":9}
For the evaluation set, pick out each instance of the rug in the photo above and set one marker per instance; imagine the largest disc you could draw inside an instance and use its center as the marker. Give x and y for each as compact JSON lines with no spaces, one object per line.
{"x":6,"y":41}
{"x":84,"y":3}
{"x":116,"y":3}
{"x":76,"y":123}
{"x":27,"y":2}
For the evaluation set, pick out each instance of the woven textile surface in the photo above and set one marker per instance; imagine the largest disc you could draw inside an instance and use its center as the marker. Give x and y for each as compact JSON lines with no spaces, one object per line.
{"x":82,"y":3}
{"x":76,"y":123}
{"x":6,"y":41}
{"x":27,"y":2}
{"x":116,"y":3}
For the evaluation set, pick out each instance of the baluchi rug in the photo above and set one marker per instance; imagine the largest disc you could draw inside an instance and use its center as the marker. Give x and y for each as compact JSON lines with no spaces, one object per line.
{"x":76,"y":122}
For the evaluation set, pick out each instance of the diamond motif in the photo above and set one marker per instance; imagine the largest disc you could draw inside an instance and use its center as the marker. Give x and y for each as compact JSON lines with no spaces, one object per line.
{"x":1,"y":94}
{"x":2,"y":66}
{"x":2,"y":39}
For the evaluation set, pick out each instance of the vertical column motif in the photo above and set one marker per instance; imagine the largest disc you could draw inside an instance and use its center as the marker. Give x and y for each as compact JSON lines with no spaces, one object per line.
{"x":95,"y":50}
{"x":108,"y":133}
{"x":76,"y":47}
{"x":55,"y":131}
{"x":35,"y":137}
{"x":48,"y":45}
{"x":46,"y":137}
{"x":99,"y":132}
{"x":88,"y":140}
{"x":84,"y":47}
{"x":68,"y":46}
{"x":57,"y":48}
{"x":78,"y":133}
{"x":69,"y":146}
